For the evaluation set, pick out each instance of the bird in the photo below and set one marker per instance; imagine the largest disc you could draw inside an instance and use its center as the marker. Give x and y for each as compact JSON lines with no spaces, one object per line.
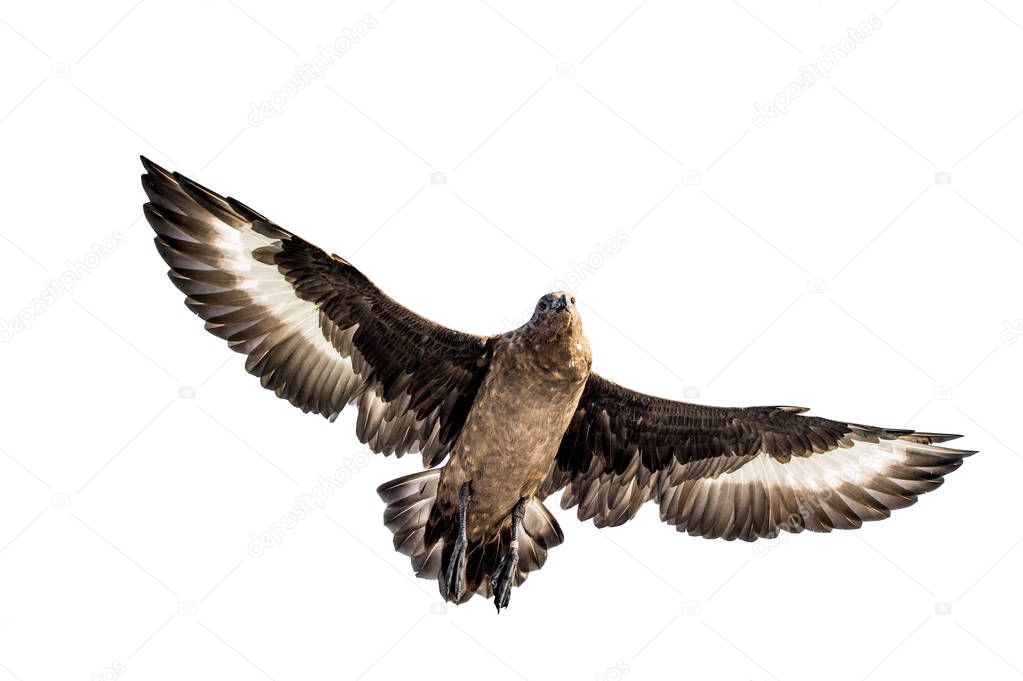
{"x":505,"y":421}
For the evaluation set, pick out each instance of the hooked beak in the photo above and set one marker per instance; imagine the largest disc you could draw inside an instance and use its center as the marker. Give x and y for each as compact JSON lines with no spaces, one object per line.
{"x":560,"y":303}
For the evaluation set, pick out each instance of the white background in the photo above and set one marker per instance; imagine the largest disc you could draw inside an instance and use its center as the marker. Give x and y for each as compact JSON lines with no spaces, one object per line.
{"x":813,"y":261}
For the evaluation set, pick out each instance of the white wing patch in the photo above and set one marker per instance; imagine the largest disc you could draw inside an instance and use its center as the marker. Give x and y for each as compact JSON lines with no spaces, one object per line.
{"x":839,"y":489}
{"x":272,"y":297}
{"x":222,"y":257}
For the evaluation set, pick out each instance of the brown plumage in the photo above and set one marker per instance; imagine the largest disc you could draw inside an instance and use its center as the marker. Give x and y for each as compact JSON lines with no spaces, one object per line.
{"x":516,"y":417}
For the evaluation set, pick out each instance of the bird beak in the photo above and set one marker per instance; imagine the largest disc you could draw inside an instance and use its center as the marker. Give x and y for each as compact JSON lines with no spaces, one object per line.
{"x":560,"y":304}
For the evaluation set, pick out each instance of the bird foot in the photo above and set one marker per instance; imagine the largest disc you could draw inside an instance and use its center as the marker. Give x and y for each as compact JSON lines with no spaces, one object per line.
{"x":455,"y":582}
{"x":501,"y":582}
{"x":456,"y":571}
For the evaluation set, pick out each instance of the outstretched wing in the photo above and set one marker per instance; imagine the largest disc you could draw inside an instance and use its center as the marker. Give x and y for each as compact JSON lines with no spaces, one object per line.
{"x":316,"y":331}
{"x":737,"y":473}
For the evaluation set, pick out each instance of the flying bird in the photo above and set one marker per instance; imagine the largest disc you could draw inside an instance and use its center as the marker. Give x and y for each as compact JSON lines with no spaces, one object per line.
{"x":513,"y":417}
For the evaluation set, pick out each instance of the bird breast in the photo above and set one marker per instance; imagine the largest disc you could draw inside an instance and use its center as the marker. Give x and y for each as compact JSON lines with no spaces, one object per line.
{"x":513,"y":431}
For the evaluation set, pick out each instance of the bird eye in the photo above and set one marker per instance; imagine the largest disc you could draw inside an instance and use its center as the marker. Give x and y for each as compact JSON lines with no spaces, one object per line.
{"x":542,"y":305}
{"x":573,"y":300}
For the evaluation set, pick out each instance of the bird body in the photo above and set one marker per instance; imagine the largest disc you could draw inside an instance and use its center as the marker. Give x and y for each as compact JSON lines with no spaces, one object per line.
{"x":512,"y":433}
{"x":518,"y":416}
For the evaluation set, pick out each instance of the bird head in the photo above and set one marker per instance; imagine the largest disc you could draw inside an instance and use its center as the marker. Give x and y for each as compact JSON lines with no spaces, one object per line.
{"x":556,"y":313}
{"x":556,"y":332}
{"x":556,"y":305}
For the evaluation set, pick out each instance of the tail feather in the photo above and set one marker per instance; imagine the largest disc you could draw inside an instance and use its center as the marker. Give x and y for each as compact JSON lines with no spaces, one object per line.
{"x":410,"y":500}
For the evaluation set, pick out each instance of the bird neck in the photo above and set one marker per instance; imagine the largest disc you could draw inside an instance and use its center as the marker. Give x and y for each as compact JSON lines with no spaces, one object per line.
{"x":559,"y":350}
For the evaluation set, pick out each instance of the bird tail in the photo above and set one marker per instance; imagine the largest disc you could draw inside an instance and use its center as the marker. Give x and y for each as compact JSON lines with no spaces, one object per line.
{"x":410,"y":500}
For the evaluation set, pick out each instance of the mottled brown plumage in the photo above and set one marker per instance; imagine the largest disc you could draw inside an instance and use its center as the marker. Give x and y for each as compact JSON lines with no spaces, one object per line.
{"x":517,"y":416}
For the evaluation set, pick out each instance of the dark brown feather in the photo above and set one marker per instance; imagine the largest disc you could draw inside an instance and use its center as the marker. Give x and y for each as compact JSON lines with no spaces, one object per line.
{"x":414,"y":380}
{"x":623,"y":448}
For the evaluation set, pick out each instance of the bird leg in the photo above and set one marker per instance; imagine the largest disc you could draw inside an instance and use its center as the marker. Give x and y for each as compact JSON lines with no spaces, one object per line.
{"x":501,"y":581}
{"x":456,"y":563}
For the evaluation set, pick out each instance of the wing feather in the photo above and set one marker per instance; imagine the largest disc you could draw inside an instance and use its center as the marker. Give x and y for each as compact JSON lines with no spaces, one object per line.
{"x":737,"y":473}
{"x":315,"y":330}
